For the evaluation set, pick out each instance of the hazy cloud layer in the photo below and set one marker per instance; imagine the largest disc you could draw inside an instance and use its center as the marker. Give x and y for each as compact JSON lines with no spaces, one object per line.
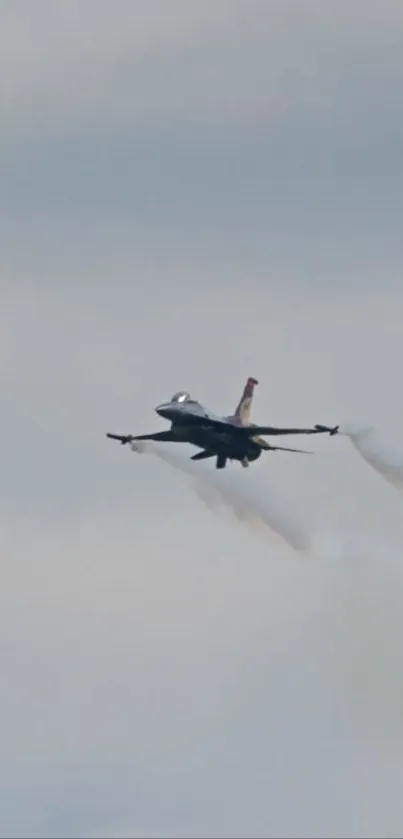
{"x":195,"y":192}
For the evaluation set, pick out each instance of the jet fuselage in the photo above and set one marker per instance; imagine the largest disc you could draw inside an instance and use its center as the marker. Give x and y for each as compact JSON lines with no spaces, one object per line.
{"x":187,"y":427}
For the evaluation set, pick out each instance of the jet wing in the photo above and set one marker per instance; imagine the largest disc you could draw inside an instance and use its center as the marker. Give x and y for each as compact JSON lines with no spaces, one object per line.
{"x":254,"y":430}
{"x":285,"y":449}
{"x":162,"y":436}
{"x":323,"y":429}
{"x":123,"y":438}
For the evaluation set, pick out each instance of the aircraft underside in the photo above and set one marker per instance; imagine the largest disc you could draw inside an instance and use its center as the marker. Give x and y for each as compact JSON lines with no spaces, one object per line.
{"x":232,"y":437}
{"x":223,"y":455}
{"x":222,"y":445}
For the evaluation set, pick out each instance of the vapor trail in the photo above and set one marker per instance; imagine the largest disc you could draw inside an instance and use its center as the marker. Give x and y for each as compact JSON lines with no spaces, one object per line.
{"x":385,"y":460}
{"x":248,"y":502}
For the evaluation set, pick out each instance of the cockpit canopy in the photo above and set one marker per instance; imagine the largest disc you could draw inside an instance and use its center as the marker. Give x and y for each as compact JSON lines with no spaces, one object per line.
{"x":181,"y":396}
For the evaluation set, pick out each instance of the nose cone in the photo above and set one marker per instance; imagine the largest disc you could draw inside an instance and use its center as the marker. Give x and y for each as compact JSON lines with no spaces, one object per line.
{"x":167,"y":410}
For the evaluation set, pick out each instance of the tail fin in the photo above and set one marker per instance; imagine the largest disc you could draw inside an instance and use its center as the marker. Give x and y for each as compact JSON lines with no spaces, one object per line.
{"x":245,"y":403}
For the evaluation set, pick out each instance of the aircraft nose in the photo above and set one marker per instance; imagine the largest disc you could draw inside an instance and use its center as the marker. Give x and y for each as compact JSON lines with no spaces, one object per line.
{"x":166,"y":411}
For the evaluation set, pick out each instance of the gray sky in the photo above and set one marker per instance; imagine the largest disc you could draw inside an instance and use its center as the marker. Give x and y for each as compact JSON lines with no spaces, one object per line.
{"x":194,"y":192}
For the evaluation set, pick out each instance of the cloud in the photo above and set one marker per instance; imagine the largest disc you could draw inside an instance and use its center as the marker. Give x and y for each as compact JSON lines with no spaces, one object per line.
{"x":73,"y":65}
{"x":165,"y":649}
{"x":194,"y":193}
{"x":202,"y":136}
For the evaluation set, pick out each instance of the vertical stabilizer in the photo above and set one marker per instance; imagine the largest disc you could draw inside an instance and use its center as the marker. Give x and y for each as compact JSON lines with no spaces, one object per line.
{"x":243,"y":409}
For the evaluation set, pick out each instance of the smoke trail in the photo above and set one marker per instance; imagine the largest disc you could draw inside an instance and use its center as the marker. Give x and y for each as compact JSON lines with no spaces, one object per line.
{"x":385,"y":460}
{"x":250,"y":504}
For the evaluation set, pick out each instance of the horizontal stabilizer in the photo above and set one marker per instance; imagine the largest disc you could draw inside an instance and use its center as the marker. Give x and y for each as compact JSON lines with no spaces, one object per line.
{"x":202,"y":455}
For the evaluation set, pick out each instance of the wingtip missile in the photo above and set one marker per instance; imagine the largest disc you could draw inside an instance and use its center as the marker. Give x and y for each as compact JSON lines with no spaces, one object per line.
{"x":326,"y":428}
{"x":123,"y":438}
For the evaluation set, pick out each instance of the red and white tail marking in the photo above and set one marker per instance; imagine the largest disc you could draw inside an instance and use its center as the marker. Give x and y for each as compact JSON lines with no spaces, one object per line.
{"x":243,"y":409}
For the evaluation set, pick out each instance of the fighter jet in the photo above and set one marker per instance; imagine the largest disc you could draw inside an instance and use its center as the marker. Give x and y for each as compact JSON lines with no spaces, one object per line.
{"x":232,"y":437}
